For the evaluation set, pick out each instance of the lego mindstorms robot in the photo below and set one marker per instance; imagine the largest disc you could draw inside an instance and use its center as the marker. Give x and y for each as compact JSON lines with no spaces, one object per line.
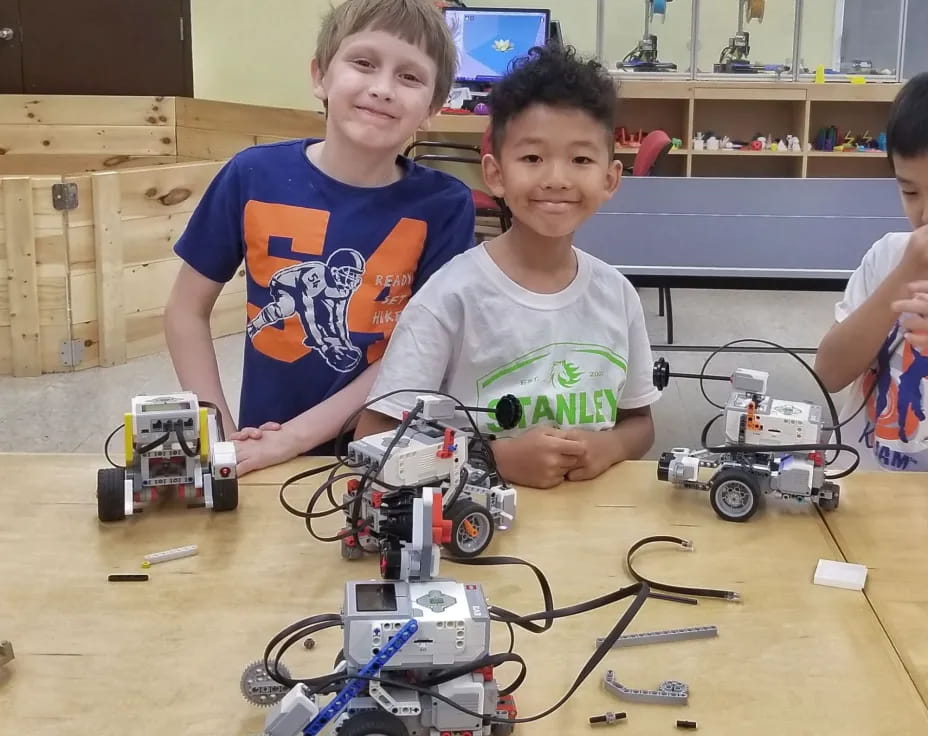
{"x":772,"y":446}
{"x":173,"y":443}
{"x":410,"y":627}
{"x":426,"y":450}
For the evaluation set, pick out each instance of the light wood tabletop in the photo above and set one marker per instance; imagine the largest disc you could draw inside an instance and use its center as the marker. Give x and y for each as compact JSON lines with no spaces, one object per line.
{"x":165,"y":656}
{"x":883,"y":523}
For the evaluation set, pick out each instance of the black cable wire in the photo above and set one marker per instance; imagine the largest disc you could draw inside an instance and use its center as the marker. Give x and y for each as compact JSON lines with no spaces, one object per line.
{"x":729,"y":595}
{"x":299,"y":631}
{"x":154,"y":444}
{"x":181,"y":440}
{"x":106,"y":448}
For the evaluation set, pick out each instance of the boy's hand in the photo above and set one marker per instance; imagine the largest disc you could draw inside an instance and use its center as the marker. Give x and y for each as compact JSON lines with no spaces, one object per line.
{"x":270,"y":448}
{"x":915,"y":324}
{"x":915,"y":259}
{"x":540,"y":458}
{"x":254,"y":433}
{"x":600,"y":453}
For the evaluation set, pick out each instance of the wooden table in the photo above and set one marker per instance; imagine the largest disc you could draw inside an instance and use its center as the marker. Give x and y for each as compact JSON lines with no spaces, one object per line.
{"x":165,"y":656}
{"x":883,"y":523}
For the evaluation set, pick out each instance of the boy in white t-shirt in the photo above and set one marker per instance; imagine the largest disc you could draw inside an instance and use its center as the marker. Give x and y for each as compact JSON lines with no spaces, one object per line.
{"x":527,"y":313}
{"x":880,"y":330}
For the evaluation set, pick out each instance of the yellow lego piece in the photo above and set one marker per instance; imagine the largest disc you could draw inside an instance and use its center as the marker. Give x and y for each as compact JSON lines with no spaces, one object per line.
{"x":820,"y":74}
{"x":204,"y":435}
{"x":857,"y":79}
{"x":127,"y":433}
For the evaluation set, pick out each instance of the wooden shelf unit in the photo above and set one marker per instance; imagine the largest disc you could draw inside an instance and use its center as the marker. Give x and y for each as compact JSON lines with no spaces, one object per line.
{"x":739,"y":110}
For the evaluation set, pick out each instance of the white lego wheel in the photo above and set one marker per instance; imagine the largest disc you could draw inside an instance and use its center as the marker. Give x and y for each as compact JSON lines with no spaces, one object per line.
{"x":734,"y":495}
{"x":471,"y":529}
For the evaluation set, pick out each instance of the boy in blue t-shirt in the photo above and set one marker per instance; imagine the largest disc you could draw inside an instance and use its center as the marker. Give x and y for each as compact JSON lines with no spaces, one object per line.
{"x":336,"y":236}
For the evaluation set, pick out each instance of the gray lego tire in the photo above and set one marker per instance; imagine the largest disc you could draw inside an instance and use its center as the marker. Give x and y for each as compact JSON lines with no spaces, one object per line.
{"x":351,"y":552}
{"x":373,"y":723}
{"x":734,"y":495}
{"x":111,"y":494}
{"x":225,"y":494}
{"x":830,"y":504}
{"x":462,"y":511}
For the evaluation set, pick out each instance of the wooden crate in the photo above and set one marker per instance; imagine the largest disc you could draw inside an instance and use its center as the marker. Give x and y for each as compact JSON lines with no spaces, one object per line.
{"x":86,"y":283}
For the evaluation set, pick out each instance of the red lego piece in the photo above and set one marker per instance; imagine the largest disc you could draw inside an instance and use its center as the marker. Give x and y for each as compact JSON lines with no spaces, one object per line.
{"x":376,"y":499}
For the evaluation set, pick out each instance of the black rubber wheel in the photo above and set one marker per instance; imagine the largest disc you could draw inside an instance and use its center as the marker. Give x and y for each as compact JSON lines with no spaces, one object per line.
{"x":111,"y":494}
{"x":734,"y":495}
{"x":373,"y":723}
{"x":391,"y":564}
{"x":830,"y":504}
{"x":471,"y":529}
{"x":225,"y":494}
{"x":502,"y":729}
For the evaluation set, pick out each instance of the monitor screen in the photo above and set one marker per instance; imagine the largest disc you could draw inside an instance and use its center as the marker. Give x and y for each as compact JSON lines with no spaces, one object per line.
{"x":488,"y":39}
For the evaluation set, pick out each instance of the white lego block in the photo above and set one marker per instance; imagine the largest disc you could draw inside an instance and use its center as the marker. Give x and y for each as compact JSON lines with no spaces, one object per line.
{"x":840,"y":574}
{"x":436,"y":407}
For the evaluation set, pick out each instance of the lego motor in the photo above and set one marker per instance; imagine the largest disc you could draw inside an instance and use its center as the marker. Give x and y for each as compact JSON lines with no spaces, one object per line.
{"x":173,"y":443}
{"x":771,"y":446}
{"x":734,"y":58}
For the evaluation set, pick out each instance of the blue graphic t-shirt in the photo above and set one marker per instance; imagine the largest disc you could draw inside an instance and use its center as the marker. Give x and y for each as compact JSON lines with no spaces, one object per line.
{"x":329,"y":266}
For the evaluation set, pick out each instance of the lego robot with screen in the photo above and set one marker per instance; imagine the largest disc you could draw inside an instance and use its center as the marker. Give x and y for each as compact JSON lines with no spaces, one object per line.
{"x":408,"y":627}
{"x":430,"y":452}
{"x":760,"y":456}
{"x":173,"y":443}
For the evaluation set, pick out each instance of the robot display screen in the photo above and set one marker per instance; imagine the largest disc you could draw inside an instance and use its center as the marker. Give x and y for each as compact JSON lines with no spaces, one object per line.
{"x":488,"y":39}
{"x":375,"y":597}
{"x":175,"y":406}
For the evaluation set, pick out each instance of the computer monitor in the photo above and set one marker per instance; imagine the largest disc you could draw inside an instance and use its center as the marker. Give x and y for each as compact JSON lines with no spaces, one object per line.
{"x":488,"y":39}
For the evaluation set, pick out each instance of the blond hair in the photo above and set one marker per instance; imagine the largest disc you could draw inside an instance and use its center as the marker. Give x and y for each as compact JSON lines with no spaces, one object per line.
{"x":418,"y":22}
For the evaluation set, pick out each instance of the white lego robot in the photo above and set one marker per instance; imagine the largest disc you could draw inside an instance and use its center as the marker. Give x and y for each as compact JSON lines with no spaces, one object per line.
{"x":173,"y":442}
{"x":771,"y":446}
{"x":409,"y":627}
{"x":431,"y":452}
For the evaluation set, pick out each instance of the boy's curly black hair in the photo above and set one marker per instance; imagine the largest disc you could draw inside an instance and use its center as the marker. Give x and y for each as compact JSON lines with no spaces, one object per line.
{"x":554,"y":75}
{"x":907,"y":129}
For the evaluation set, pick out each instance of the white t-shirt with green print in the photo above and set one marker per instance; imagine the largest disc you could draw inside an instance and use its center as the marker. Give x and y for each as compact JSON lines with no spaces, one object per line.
{"x":574,"y":359}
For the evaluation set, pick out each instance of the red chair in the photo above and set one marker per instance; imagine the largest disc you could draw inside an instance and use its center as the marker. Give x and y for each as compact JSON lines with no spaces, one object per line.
{"x":485,"y":204}
{"x":649,"y":161}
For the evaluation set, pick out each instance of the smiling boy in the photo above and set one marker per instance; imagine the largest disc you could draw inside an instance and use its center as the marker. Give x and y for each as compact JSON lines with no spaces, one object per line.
{"x":527,"y":313}
{"x":336,"y":235}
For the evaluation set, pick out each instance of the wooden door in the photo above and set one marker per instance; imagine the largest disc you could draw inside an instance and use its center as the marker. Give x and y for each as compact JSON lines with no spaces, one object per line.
{"x":107,"y":47}
{"x":11,"y":59}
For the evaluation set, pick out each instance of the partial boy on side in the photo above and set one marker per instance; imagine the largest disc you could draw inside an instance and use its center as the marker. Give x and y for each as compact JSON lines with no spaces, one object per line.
{"x":880,"y":325}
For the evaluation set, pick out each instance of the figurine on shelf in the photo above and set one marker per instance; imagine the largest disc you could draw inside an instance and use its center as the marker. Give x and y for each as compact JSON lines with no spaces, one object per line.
{"x":712,"y":143}
{"x":727,"y":144}
{"x":792,"y":142}
{"x":675,"y":144}
{"x":756,"y":145}
{"x":881,"y":142}
{"x":849,"y":145}
{"x":699,"y":143}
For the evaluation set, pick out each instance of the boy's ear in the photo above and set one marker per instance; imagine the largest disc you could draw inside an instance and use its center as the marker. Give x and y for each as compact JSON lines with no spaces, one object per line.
{"x":613,"y":178}
{"x":317,"y":76}
{"x":492,"y":175}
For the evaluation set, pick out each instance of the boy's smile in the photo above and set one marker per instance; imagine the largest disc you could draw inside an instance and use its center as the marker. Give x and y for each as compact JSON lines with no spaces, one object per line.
{"x":378,"y":89}
{"x":555,"y":169}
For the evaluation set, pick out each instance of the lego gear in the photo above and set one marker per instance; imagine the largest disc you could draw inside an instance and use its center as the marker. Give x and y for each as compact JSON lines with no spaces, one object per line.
{"x":346,"y":267}
{"x":259,"y":688}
